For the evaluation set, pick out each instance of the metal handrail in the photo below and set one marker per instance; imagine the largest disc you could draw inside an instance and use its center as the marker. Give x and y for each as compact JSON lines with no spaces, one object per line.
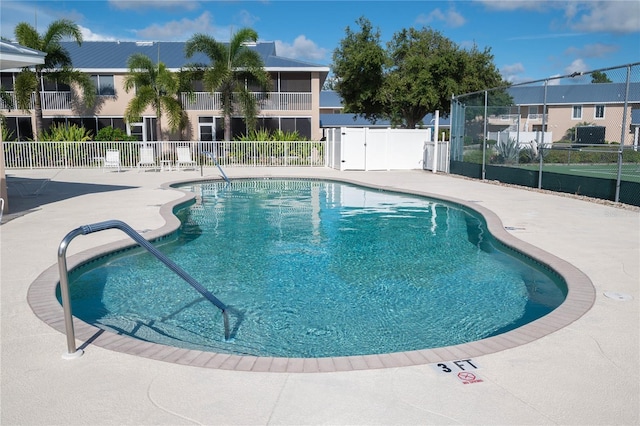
{"x":215,"y":161}
{"x":72,"y":352}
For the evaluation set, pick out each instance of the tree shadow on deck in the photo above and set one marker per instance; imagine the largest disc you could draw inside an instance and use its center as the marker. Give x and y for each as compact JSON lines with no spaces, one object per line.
{"x":26,"y":195}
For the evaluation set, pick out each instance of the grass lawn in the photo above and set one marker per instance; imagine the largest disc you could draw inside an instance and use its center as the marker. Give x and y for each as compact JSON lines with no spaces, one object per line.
{"x":630,"y":171}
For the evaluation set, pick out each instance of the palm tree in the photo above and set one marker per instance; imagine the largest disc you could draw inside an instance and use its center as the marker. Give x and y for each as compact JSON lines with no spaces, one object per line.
{"x":233,"y":70}
{"x":156,"y":87}
{"x":57,"y":65}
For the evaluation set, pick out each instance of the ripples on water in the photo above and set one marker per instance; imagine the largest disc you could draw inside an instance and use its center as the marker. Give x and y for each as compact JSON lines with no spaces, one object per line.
{"x":312,"y":269}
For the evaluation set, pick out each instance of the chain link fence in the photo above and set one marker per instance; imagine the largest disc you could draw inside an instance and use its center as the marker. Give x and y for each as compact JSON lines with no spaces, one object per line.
{"x":576,"y":134}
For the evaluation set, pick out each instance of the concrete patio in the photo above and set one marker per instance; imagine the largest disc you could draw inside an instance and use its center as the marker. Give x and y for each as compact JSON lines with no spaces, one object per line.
{"x":584,"y":373}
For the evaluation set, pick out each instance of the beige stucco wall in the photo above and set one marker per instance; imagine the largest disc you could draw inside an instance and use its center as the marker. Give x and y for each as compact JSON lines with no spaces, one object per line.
{"x":114,"y":106}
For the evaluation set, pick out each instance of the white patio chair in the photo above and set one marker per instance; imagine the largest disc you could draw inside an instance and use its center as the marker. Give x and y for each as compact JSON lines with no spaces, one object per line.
{"x":147,"y":159}
{"x":184,"y":158}
{"x":112,"y":159}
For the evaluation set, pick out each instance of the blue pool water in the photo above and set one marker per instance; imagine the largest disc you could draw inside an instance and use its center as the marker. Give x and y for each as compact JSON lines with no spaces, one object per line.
{"x":312,"y":268}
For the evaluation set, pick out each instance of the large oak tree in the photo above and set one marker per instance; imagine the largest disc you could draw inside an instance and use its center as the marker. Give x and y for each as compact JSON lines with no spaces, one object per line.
{"x":417,"y":73}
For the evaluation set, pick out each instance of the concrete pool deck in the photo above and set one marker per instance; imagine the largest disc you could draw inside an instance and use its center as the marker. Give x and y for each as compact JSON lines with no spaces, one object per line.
{"x":584,"y":373}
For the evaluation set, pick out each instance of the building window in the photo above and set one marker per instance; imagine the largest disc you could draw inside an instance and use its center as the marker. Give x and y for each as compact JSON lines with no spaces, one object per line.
{"x":53,"y":85}
{"x":6,"y":81}
{"x":577,"y":112}
{"x":299,"y":82}
{"x":104,"y":85}
{"x":599,"y":112}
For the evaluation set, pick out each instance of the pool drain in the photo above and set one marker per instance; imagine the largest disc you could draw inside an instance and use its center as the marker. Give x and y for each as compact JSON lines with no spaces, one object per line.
{"x":618,"y":296}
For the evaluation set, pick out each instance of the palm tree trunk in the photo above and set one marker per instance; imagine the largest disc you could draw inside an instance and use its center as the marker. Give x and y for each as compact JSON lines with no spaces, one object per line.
{"x":38,"y":107}
{"x":227,"y":128}
{"x":158,"y":127}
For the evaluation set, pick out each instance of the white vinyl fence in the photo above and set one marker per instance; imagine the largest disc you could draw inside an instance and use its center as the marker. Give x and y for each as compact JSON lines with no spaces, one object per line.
{"x":384,"y":149}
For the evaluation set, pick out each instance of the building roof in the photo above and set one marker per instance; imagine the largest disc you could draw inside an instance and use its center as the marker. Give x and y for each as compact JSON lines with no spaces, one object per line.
{"x":570,"y":94}
{"x":351,"y":120}
{"x":113,"y":55}
{"x":330,"y":99}
{"x":13,"y":55}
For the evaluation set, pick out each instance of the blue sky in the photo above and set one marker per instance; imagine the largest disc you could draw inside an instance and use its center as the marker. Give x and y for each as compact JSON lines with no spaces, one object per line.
{"x":530,"y":40}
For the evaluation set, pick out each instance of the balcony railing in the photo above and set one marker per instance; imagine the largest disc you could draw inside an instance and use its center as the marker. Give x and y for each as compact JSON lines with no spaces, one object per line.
{"x":50,"y":101}
{"x":535,"y":117}
{"x":199,"y":101}
{"x":271,"y":101}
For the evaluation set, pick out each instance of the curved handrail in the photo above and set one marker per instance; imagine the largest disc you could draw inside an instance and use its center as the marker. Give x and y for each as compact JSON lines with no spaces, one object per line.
{"x":111,"y":224}
{"x":215,"y":161}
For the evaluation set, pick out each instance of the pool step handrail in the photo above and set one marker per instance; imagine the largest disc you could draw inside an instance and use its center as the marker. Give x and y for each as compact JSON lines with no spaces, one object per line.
{"x":72,"y":352}
{"x":215,"y":161}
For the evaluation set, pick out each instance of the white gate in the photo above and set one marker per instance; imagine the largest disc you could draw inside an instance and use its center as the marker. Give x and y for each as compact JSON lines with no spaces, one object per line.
{"x":441,"y":163}
{"x":376,"y":149}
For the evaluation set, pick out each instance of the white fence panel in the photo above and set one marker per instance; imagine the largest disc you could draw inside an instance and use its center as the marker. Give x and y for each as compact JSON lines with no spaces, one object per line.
{"x":442,"y":163}
{"x":377,"y":149}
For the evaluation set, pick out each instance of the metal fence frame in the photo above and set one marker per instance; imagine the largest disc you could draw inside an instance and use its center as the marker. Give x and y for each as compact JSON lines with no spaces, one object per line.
{"x":462,"y":115}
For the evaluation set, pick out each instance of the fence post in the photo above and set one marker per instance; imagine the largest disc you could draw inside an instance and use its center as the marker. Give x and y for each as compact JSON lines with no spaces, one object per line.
{"x":622,"y":133}
{"x":435,"y":142}
{"x":541,"y":145}
{"x":484,"y":136}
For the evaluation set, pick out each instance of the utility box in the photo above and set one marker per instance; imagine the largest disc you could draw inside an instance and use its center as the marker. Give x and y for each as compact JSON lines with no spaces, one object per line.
{"x":590,"y":135}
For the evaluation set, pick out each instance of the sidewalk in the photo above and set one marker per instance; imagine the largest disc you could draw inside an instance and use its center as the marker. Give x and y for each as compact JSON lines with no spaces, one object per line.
{"x":585,"y":373}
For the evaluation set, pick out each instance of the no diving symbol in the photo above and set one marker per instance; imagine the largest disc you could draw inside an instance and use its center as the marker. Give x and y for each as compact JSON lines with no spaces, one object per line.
{"x":468,"y":378}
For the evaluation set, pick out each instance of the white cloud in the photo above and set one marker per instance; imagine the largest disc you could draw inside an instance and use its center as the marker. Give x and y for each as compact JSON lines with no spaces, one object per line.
{"x":246,"y":18}
{"x":451,"y":17}
{"x":183,"y":29}
{"x":88,"y":35}
{"x":622,"y":16}
{"x":302,"y":48}
{"x":613,"y":16}
{"x":154,"y":4}
{"x":576,"y":66}
{"x":596,"y":50}
{"x":510,"y":5}
{"x":512,"y":73}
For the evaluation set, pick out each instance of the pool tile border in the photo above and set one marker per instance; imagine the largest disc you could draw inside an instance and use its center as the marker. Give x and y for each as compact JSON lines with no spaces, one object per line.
{"x":580,"y":298}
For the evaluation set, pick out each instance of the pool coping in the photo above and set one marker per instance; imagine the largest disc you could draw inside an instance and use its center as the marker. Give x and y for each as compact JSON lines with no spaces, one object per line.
{"x":580,"y":298}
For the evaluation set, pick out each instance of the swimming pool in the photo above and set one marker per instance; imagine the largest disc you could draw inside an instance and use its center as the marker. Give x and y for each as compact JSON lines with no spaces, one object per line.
{"x":320,"y":269}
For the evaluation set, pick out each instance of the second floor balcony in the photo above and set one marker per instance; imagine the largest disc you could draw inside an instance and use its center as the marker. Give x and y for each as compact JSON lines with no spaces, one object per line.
{"x":200,"y":101}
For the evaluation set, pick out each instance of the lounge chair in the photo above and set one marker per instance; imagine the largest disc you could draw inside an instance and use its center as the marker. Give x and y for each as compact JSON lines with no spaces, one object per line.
{"x":147,"y":159}
{"x":112,"y":159}
{"x":184,"y":158}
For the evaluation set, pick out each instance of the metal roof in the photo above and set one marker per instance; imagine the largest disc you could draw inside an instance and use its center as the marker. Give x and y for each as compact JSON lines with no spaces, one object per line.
{"x":351,"y":120}
{"x":330,"y":99}
{"x":570,"y":94}
{"x":113,"y":55}
{"x":13,"y":55}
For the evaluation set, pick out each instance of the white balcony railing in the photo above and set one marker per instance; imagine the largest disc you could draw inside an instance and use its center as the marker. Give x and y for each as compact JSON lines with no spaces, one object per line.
{"x":199,"y":101}
{"x":270,"y":101}
{"x":50,"y":101}
{"x":535,"y":117}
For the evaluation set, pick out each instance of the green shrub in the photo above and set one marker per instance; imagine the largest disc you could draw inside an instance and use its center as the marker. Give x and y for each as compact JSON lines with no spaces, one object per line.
{"x":507,"y":152}
{"x":60,"y":132}
{"x":475,"y":156}
{"x":113,"y":134}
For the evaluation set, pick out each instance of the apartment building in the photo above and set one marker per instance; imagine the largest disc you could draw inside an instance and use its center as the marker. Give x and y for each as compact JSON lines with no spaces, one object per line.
{"x":604,"y":105}
{"x":292,"y":104}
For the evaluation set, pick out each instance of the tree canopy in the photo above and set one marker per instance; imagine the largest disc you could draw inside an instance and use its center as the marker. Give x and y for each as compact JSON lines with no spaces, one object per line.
{"x":234,"y":71}
{"x":600,"y":77}
{"x":418,"y":73}
{"x":156,"y":87}
{"x":57,"y":65}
